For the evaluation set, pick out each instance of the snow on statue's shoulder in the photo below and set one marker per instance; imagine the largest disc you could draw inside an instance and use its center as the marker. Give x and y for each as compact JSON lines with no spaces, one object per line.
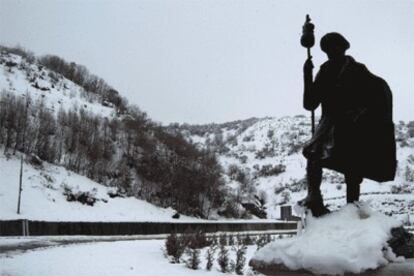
{"x":351,"y":240}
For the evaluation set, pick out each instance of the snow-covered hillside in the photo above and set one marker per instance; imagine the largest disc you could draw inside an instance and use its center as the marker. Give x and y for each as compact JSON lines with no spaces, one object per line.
{"x":263,"y":157}
{"x":80,"y":127}
{"x":22,"y":77}
{"x":46,"y":189}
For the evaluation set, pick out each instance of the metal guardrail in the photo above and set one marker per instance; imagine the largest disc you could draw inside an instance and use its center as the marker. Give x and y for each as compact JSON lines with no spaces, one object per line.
{"x":54,"y":228}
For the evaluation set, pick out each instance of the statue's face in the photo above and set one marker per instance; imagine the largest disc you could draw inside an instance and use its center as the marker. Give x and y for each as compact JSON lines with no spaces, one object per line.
{"x":335,"y":52}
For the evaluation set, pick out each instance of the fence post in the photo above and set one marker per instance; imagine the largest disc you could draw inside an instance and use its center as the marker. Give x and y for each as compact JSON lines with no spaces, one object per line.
{"x":25,"y":227}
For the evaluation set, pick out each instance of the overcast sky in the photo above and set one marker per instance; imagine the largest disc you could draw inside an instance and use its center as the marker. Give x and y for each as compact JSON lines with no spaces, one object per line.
{"x":214,"y":61}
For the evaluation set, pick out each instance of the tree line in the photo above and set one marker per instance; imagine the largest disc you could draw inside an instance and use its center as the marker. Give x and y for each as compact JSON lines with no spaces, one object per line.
{"x":130,"y":152}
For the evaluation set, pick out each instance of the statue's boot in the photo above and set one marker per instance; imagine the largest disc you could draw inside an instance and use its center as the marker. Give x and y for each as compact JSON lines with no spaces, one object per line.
{"x":314,"y":201}
{"x":352,"y":188}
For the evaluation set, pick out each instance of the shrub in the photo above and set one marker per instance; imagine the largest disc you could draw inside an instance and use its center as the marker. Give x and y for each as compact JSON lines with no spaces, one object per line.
{"x":409,"y":174}
{"x":270,"y":133}
{"x":269,"y":170}
{"x":240,"y":250}
{"x":231,"y":208}
{"x":198,"y":240}
{"x":175,"y":247}
{"x":193,"y":260}
{"x":243,"y":159}
{"x":84,"y":197}
{"x":285,"y":197}
{"x":248,"y":138}
{"x":248,"y":240}
{"x":210,"y":256}
{"x":261,"y":241}
{"x":231,"y":240}
{"x":223,"y":240}
{"x":406,"y":188}
{"x":223,"y":259}
{"x":410,"y":159}
{"x":267,"y":151}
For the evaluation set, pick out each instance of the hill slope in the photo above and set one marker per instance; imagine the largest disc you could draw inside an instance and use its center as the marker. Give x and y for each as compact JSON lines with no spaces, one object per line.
{"x":263,"y":163}
{"x":22,"y":77}
{"x":47,"y":188}
{"x":60,"y":113}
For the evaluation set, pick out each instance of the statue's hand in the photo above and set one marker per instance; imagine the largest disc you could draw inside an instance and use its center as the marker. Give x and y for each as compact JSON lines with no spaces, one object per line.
{"x":308,"y":66}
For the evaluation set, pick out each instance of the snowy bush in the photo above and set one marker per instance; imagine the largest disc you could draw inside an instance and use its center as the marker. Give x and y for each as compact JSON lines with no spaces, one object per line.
{"x":223,"y":259}
{"x":198,"y":239}
{"x":297,"y":185}
{"x":270,"y":133}
{"x":409,"y":174}
{"x":210,"y":256}
{"x":247,"y":240}
{"x":84,"y":197}
{"x":285,"y":197}
{"x":267,"y":151}
{"x":248,"y":138}
{"x":175,"y":247}
{"x":260,"y":242}
{"x":193,"y":258}
{"x":240,"y":250}
{"x":223,"y":241}
{"x":232,"y":208}
{"x":115,"y":193}
{"x":231,"y":240}
{"x":410,"y":159}
{"x":270,"y":170}
{"x":405,"y":188}
{"x":243,"y":159}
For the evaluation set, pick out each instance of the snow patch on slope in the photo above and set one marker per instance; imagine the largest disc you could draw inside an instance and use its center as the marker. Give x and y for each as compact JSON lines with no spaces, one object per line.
{"x":43,"y":197}
{"x":22,"y":77}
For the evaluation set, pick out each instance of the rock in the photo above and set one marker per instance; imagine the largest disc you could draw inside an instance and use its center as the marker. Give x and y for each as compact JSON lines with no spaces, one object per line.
{"x":402,"y":242}
{"x":176,"y":216}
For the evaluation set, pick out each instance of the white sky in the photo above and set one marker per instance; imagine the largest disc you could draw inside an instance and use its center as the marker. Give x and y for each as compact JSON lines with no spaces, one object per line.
{"x":214,"y":61}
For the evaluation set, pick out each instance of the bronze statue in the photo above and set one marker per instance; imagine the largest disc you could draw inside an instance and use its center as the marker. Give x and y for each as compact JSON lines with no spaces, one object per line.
{"x":355,"y":134}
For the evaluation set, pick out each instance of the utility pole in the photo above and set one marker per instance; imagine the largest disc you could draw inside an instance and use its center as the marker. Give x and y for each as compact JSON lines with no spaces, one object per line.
{"x":22,"y":154}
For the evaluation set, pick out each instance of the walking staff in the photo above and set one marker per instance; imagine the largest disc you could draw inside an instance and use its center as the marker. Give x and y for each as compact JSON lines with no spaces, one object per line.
{"x":308,"y":40}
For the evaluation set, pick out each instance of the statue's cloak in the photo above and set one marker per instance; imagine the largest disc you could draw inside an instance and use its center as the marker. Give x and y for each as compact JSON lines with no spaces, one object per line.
{"x":356,"y":130}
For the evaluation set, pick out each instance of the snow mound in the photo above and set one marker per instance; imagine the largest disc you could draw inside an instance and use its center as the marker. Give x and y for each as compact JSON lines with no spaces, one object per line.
{"x":353,"y":239}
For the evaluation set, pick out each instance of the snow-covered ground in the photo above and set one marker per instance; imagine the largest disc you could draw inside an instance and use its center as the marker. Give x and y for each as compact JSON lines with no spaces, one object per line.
{"x":43,"y":197}
{"x":126,"y":258}
{"x":351,"y":240}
